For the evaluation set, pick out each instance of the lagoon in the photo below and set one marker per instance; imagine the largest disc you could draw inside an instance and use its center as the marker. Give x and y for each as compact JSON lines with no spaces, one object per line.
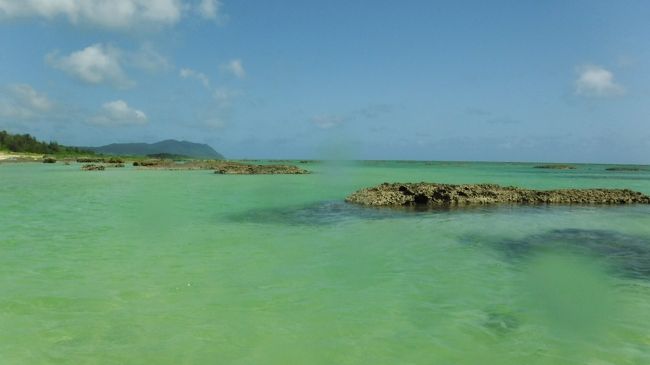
{"x":170,"y":267}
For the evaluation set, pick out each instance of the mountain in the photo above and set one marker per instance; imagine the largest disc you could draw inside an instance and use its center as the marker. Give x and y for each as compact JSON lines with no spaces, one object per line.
{"x":170,"y":146}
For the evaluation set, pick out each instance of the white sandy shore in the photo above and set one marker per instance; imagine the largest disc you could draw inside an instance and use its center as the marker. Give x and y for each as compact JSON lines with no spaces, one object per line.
{"x":6,"y":156}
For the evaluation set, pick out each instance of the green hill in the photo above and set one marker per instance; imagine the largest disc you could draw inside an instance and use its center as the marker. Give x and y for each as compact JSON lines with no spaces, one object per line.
{"x":170,"y":147}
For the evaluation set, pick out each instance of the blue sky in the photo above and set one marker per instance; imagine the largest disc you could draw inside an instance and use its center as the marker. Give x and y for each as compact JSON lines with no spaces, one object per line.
{"x":456,"y":80}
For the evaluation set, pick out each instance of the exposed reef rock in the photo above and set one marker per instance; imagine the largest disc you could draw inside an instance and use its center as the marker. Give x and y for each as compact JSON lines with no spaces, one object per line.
{"x":625,"y":168}
{"x":556,"y":167}
{"x":49,"y":160}
{"x":221,"y":167}
{"x":115,"y":160}
{"x":436,"y":195}
{"x":90,"y":159}
{"x":150,"y":163}
{"x":92,"y":167}
{"x":236,"y":168}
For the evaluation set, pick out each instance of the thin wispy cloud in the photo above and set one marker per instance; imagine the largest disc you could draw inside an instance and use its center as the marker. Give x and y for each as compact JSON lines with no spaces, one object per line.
{"x":235,"y":68}
{"x":327,"y":121}
{"x":149,"y":59}
{"x":596,"y":81}
{"x":188,"y":73}
{"x":119,"y":113}
{"x":21,"y":101}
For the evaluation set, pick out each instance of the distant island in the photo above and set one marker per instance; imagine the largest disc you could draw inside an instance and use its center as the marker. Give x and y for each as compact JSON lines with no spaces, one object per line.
{"x":169,"y":147}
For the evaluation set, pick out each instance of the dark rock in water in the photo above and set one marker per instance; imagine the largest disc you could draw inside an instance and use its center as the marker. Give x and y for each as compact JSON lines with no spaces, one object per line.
{"x":628,"y":254}
{"x":436,"y":195}
{"x":49,"y":160}
{"x":556,"y":167}
{"x":115,"y":160}
{"x":117,"y":165}
{"x":150,"y":163}
{"x":625,"y":168}
{"x":236,"y":168}
{"x":92,"y":167}
{"x":90,"y":160}
{"x":316,"y":214}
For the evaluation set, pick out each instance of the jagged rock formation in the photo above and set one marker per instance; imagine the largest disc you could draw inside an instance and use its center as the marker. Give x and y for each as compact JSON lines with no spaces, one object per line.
{"x":434,"y":195}
{"x":92,"y":167}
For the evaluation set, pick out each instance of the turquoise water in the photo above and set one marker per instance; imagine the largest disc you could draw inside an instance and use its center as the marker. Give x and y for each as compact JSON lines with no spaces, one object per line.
{"x":188,"y":267}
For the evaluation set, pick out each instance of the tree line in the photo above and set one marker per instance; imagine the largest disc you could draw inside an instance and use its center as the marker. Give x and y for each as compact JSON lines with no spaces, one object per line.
{"x":27,"y":143}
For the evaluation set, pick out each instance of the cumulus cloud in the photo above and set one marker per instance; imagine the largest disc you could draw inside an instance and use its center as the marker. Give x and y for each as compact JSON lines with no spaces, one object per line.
{"x":119,"y":113}
{"x":597,"y":81}
{"x":21,"y":101}
{"x":234,"y":67}
{"x":327,"y":121}
{"x":115,"y":14}
{"x":188,"y":73}
{"x":96,"y":64}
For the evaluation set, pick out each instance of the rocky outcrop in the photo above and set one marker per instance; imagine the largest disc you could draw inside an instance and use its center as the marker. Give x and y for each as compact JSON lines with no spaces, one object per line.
{"x":435,"y":195}
{"x":221,"y":167}
{"x":556,"y":167}
{"x":92,"y":167}
{"x":236,"y":168}
{"x":90,"y":159}
{"x":625,"y":168}
{"x":115,"y":160}
{"x":49,"y":160}
{"x":152,"y":163}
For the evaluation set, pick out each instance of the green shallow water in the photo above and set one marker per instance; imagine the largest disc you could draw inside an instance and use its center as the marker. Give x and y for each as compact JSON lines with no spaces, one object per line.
{"x":169,"y":267}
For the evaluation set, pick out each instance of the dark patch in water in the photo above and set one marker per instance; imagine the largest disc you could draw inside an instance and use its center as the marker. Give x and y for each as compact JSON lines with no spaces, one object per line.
{"x":627,"y":254}
{"x":501,"y":321}
{"x":334,"y":212}
{"x":322,"y":213}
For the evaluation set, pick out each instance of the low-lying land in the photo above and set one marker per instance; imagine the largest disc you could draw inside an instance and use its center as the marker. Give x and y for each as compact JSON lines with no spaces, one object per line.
{"x":556,"y":167}
{"x":221,"y":167}
{"x":435,"y":195}
{"x":626,"y":168}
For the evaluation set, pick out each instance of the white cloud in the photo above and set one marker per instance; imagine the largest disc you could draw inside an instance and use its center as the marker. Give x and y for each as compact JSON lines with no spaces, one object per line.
{"x":188,"y":73}
{"x":234,"y":67}
{"x":21,"y":101}
{"x":327,"y":121}
{"x":117,"y":113}
{"x":96,"y":64}
{"x":597,"y":81}
{"x":209,"y":9}
{"x":114,"y":14}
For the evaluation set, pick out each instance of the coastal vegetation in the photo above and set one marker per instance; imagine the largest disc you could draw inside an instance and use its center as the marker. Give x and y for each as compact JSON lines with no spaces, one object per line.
{"x":26,"y":143}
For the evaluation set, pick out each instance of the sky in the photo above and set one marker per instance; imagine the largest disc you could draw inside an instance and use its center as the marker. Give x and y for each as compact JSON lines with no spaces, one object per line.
{"x":553,"y":81}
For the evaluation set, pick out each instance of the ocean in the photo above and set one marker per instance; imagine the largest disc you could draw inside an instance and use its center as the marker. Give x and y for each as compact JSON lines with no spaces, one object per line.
{"x":127,"y":266}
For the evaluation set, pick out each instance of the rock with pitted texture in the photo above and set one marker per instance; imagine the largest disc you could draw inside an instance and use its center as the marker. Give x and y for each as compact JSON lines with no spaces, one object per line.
{"x":436,"y":195}
{"x":92,"y":167}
